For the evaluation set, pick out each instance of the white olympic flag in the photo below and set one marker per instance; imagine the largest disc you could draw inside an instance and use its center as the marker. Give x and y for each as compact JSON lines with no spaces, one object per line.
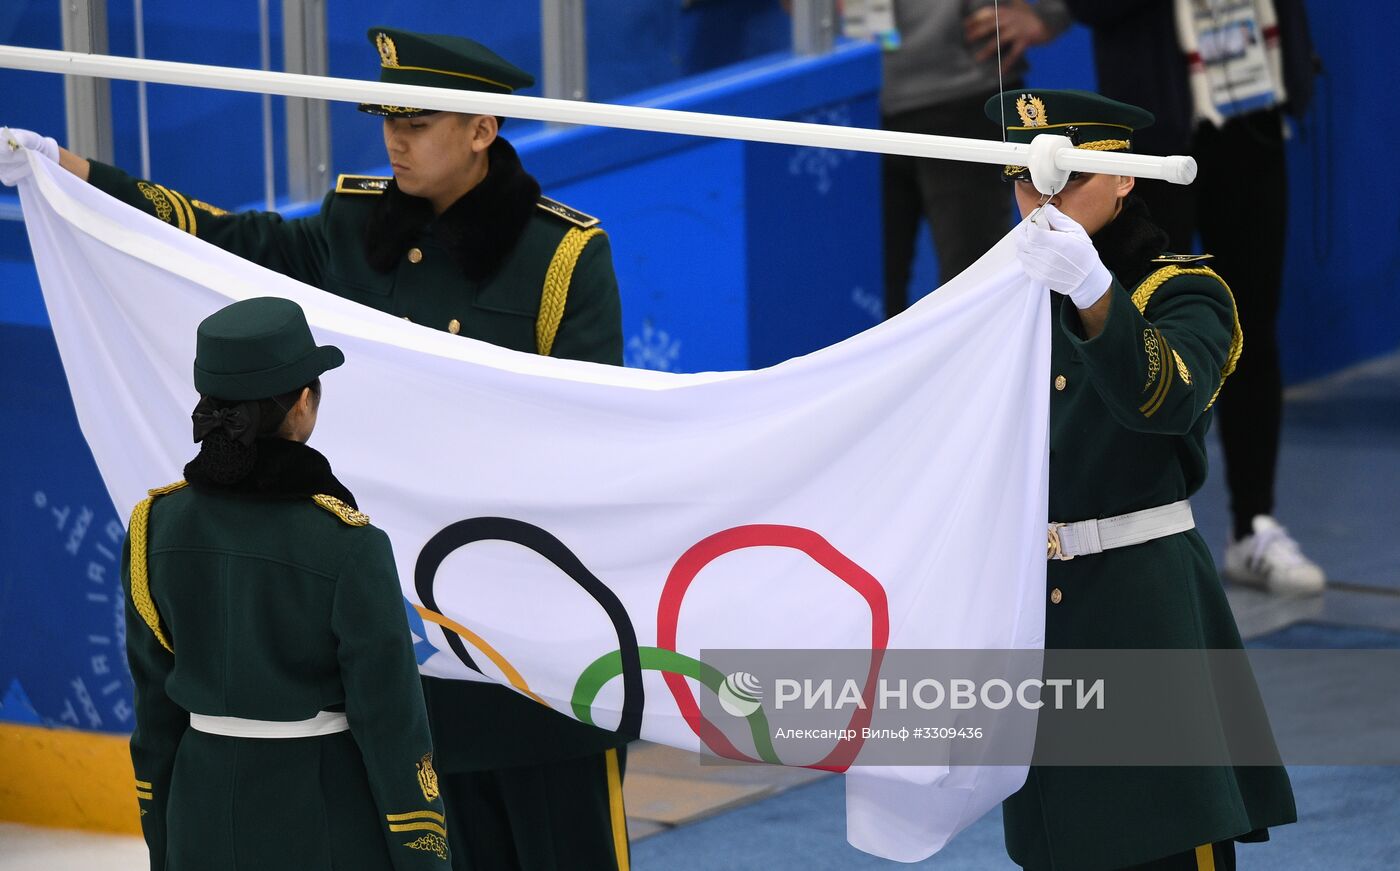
{"x":559,"y":513}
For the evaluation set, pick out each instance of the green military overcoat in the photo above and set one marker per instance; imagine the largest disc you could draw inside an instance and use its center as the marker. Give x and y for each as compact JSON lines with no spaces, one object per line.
{"x":502,"y":264}
{"x":1129,"y":411}
{"x":275,"y":600}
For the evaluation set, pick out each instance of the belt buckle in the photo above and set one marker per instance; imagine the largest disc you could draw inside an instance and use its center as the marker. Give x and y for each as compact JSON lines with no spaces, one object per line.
{"x":1053,"y":549}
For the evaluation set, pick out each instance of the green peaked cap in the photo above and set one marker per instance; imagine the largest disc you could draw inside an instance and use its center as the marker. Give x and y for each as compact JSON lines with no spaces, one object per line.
{"x":258,"y":348}
{"x":1090,"y":121}
{"x":439,"y":61}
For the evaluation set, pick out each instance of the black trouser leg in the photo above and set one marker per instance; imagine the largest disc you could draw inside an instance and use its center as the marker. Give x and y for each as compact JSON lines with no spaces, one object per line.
{"x":552,"y":817}
{"x":968,"y":210}
{"x":1243,"y":221}
{"x":901,"y":210}
{"x":968,"y":207}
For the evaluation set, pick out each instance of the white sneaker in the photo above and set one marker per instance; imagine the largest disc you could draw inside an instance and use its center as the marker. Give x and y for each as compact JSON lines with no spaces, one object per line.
{"x":1270,"y":558}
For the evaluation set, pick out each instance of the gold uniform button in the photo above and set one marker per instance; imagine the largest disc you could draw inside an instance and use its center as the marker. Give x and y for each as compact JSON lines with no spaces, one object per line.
{"x":454,"y":326}
{"x":1056,"y":596}
{"x":1060,"y":382}
{"x":415,"y":255}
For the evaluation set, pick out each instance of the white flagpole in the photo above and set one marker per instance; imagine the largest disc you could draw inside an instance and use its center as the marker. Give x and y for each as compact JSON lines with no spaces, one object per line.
{"x":1177,"y":169}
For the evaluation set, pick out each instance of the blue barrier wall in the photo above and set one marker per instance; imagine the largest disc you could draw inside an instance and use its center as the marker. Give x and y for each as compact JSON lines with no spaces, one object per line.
{"x":729,"y":255}
{"x":62,"y":658}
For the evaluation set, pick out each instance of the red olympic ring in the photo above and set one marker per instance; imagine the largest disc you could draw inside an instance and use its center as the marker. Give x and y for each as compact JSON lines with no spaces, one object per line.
{"x":824,"y":554}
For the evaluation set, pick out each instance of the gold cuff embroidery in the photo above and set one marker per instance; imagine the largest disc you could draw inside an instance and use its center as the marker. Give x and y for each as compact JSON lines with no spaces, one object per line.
{"x":1154,"y":357}
{"x":158,"y":199}
{"x":418,"y":827}
{"x":430,"y":843}
{"x":168,"y":204}
{"x":1181,"y":368}
{"x":213,"y":210}
{"x":1164,"y":385}
{"x":183,"y":210}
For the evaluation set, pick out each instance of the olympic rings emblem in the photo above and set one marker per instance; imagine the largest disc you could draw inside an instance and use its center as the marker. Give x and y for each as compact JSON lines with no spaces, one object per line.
{"x":630,"y":659}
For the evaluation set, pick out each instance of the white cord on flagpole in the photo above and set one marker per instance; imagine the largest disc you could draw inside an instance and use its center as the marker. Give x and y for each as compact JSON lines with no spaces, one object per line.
{"x":269,"y":163}
{"x":1177,"y":169}
{"x":1001,"y":84}
{"x":143,"y":118}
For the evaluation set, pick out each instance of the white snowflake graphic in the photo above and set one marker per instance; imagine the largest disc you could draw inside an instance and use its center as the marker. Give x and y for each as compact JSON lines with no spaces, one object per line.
{"x":822,"y":163}
{"x":869,"y":303}
{"x":653,"y":349}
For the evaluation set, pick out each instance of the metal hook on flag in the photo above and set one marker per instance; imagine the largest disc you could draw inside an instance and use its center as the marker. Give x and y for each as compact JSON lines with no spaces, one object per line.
{"x":1035,"y":213}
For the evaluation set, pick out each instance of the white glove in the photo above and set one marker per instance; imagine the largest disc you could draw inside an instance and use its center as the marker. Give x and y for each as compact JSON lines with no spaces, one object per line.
{"x":13,"y":163}
{"x":1063,"y":258}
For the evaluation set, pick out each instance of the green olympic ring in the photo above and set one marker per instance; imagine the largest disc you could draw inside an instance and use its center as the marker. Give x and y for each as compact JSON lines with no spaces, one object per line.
{"x":609,"y":666}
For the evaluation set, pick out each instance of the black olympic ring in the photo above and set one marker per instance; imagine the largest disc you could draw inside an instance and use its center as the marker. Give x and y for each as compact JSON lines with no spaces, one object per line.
{"x":465,"y":532}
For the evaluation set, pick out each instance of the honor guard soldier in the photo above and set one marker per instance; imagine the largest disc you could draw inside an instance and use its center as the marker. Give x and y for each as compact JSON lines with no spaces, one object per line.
{"x":1141,"y":343}
{"x":458,"y":239}
{"x":279,"y":718}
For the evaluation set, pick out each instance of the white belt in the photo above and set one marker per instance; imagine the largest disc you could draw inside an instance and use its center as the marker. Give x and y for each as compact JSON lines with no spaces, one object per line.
{"x":324,"y":723}
{"x":1069,"y":540}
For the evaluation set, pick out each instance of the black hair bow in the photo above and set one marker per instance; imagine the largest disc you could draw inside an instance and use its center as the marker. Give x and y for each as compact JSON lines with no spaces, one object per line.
{"x":239,"y":422}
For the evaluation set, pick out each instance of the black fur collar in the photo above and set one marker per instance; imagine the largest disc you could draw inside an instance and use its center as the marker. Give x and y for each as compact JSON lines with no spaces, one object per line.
{"x":1130,"y":242}
{"x":283,"y":470}
{"x":479,"y":230}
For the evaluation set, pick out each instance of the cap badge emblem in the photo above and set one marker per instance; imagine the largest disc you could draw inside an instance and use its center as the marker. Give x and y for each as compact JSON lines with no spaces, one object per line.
{"x":388,"y":54}
{"x":1032,"y":110}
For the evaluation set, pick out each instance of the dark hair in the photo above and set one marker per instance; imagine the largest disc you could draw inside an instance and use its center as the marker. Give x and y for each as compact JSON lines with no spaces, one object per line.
{"x":226,"y":460}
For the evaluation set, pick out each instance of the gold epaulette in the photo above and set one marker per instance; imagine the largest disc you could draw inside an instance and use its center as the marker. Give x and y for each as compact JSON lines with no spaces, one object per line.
{"x":137,"y":534}
{"x":362,"y":184}
{"x":349,"y":516}
{"x":1183,"y":258}
{"x":573,"y":216}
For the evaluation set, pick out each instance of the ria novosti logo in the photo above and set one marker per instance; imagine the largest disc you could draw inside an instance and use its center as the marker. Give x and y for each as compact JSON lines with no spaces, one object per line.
{"x":741,"y":694}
